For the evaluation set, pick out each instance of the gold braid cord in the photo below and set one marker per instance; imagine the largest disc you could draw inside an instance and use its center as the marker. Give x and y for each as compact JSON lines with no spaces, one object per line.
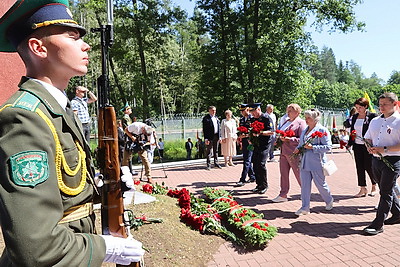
{"x":51,"y":22}
{"x":62,"y":163}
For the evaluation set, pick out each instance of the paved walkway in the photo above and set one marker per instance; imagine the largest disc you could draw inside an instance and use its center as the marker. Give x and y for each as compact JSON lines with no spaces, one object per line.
{"x":322,"y":238}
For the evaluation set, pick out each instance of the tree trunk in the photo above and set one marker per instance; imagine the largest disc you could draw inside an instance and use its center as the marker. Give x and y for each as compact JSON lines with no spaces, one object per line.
{"x":224,"y":49}
{"x":144,"y":87}
{"x":253,"y":48}
{"x":233,"y":32}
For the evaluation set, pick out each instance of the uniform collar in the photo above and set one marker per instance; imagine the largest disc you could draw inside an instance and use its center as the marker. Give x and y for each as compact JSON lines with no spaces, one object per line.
{"x":46,"y":97}
{"x":59,"y":95}
{"x":394,"y":115}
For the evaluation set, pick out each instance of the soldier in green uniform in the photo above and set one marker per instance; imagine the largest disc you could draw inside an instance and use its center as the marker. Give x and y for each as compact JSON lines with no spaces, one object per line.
{"x":46,"y":185}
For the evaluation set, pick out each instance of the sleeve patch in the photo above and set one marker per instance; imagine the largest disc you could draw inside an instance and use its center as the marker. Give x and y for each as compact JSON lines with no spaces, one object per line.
{"x":29,"y":168}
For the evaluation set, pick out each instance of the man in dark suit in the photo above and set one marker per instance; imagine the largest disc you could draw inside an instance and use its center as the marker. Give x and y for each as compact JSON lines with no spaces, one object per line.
{"x":211,"y":126}
{"x":261,"y":143}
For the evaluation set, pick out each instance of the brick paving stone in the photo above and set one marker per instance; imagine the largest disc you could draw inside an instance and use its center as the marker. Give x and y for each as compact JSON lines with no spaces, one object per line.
{"x":310,"y":240}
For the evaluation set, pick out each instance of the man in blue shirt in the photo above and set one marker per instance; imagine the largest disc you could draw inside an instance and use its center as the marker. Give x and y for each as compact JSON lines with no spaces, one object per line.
{"x":79,"y":105}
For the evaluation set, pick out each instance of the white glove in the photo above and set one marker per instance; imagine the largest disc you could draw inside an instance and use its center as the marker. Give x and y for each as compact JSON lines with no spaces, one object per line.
{"x":122,"y":250}
{"x":127,"y":178}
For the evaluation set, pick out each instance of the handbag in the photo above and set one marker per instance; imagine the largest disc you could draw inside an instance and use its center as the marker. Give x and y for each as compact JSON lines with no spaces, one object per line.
{"x":329,"y":168}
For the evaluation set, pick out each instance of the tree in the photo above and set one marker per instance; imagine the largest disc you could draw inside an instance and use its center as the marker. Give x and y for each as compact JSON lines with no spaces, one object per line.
{"x":394,"y":78}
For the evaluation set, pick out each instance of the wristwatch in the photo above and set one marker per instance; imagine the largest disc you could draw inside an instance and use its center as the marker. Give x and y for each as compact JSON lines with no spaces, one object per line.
{"x":385,"y":149}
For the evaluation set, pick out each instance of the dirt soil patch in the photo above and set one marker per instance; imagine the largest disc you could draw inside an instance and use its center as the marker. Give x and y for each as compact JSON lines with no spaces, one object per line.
{"x":170,"y":243}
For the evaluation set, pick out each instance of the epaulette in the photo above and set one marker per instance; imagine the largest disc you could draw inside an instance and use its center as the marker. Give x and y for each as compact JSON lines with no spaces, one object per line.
{"x":27,"y":101}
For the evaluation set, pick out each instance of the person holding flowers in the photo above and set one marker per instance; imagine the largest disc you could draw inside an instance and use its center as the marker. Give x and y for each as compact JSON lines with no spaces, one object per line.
{"x":315,"y":141}
{"x":289,"y":134}
{"x":358,"y":127}
{"x":243,"y":135}
{"x":260,"y":131}
{"x":383,"y":142}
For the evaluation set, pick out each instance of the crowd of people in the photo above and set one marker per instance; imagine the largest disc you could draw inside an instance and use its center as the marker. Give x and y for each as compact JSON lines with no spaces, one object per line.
{"x":303,"y":145}
{"x":56,"y":176}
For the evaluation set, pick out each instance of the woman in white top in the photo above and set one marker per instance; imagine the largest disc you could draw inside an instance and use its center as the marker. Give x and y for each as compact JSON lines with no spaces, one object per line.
{"x":360,"y":123}
{"x":228,"y":136}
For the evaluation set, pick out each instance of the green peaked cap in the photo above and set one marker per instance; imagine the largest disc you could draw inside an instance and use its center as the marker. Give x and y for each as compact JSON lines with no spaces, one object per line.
{"x":25,"y":16}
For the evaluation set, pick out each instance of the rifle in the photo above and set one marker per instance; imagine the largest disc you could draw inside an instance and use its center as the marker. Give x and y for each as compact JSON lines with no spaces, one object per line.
{"x":113,"y":215}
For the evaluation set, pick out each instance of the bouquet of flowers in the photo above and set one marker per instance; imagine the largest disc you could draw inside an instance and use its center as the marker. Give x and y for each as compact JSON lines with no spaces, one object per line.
{"x":224,"y":217}
{"x":353,"y":136}
{"x":242,"y":130}
{"x":255,"y":129}
{"x":280,"y":133}
{"x":155,"y":189}
{"x":250,"y":226}
{"x":314,"y":135}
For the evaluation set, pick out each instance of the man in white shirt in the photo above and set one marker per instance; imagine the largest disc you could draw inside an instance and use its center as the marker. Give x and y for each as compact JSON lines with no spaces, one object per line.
{"x":384,"y":136}
{"x":140,"y":134}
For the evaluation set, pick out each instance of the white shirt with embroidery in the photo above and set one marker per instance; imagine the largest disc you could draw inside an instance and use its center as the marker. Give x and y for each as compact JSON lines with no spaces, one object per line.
{"x":385,"y":132}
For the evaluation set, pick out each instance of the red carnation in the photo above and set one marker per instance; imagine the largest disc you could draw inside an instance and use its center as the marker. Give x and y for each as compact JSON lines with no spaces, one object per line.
{"x":290,"y":133}
{"x":147,"y":188}
{"x":281,"y":133}
{"x":243,"y":129}
{"x":353,"y":135}
{"x":318,"y":134}
{"x":257,"y":126}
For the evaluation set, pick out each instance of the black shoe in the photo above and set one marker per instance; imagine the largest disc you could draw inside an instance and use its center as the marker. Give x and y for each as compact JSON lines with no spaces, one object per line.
{"x":208,"y":168}
{"x":262,"y":191}
{"x":255,"y":190}
{"x":239,"y":184}
{"x":372,"y":231}
{"x":218,"y":166}
{"x":392,"y":220}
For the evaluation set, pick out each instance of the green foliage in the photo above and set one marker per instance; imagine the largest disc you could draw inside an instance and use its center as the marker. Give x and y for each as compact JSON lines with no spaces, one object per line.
{"x":175,"y":150}
{"x":231,"y":51}
{"x":394,"y":78}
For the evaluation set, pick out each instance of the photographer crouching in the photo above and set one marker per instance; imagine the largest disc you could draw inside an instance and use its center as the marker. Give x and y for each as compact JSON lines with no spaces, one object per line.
{"x":137,"y":142}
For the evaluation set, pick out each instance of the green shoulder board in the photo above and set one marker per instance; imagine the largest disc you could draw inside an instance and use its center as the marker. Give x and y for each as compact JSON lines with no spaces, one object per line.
{"x":27,"y":101}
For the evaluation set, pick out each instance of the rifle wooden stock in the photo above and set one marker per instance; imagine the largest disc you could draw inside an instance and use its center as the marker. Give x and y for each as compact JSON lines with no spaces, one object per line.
{"x":112,"y":202}
{"x":112,"y":208}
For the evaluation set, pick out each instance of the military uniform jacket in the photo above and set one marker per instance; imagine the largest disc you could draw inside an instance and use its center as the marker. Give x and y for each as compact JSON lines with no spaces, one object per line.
{"x":35,"y":191}
{"x":263,"y":141}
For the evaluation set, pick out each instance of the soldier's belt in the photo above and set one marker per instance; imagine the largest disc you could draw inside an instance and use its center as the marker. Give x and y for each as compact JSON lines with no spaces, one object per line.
{"x":77,"y":212}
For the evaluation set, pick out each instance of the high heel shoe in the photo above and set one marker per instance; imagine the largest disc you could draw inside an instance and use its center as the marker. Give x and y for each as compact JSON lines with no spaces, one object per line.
{"x":363,"y":192}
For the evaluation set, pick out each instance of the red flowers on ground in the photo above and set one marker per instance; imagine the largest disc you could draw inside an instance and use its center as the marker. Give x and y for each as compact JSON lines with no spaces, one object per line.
{"x":147,"y":188}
